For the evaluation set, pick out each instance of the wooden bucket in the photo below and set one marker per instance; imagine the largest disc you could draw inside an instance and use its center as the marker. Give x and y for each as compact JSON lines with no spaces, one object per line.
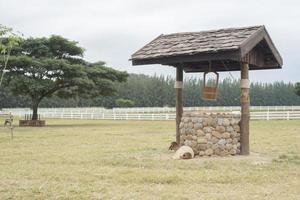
{"x":210,"y":93}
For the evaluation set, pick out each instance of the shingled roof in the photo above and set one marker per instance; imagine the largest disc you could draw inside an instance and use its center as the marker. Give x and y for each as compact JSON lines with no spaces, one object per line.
{"x":229,"y":45}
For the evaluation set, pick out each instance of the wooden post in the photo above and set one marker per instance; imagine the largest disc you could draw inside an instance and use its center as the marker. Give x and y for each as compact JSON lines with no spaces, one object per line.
{"x":245,"y":113}
{"x":179,"y":108}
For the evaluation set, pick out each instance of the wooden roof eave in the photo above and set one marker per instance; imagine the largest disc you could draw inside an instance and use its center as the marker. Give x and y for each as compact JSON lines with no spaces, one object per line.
{"x":257,"y":37}
{"x":174,"y":60}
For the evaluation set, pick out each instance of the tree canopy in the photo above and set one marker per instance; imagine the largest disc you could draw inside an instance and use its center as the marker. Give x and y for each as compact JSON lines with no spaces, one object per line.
{"x":125,"y":103}
{"x":41,"y":67}
{"x":147,"y":91}
{"x":297,"y":89}
{"x":8,"y":40}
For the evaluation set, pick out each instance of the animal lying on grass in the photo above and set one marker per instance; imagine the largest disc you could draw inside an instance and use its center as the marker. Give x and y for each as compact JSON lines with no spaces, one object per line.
{"x":183,"y":152}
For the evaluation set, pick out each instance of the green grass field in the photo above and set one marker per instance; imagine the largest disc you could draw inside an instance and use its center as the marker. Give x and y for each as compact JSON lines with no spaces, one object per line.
{"x":85,"y":159}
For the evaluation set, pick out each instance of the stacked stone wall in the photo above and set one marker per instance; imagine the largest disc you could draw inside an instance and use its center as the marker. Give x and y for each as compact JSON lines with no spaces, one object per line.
{"x":211,"y":134}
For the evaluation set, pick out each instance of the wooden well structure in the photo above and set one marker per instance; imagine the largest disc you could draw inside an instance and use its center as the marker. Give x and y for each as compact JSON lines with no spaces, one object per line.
{"x":231,"y":49}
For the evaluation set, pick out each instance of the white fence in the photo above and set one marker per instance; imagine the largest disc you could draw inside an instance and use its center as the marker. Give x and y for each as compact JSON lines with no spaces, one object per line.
{"x":211,"y":108}
{"x":271,"y":115}
{"x":257,"y":113}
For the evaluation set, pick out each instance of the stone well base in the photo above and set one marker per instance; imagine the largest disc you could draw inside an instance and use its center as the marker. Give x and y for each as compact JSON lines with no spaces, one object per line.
{"x":211,"y":133}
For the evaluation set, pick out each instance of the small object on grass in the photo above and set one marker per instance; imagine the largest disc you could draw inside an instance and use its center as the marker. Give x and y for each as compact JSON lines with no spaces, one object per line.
{"x":184,"y":152}
{"x":186,"y":155}
{"x":174,"y":146}
{"x":9,"y":124}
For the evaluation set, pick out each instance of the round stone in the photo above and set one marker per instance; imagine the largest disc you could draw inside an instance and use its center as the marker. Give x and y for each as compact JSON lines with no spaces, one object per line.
{"x":226,"y":122}
{"x":207,"y":129}
{"x":214,"y":139}
{"x":224,"y":153}
{"x":209,"y":152}
{"x":214,"y":123}
{"x":201,"y":153}
{"x":226,"y":135}
{"x":228,"y":146}
{"x":182,"y":131}
{"x":200,"y":132}
{"x":232,"y":151}
{"x":208,"y":136}
{"x":216,"y":134}
{"x":229,"y":140}
{"x":222,"y":142}
{"x":232,"y":121}
{"x":217,"y":151}
{"x":229,"y":128}
{"x":191,"y":125}
{"x":198,"y":126}
{"x":236,"y":128}
{"x":220,"y":129}
{"x":215,"y":146}
{"x":234,"y":141}
{"x":209,"y":144}
{"x":189,"y":137}
{"x":185,"y":125}
{"x":181,"y":125}
{"x":200,"y":120}
{"x":194,"y":120}
{"x":233,"y":134}
{"x":220,"y":121}
{"x":188,"y":143}
{"x":202,"y":140}
{"x":202,"y":147}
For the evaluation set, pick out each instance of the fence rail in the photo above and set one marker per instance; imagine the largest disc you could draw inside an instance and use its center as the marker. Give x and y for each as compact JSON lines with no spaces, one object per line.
{"x":88,"y":110}
{"x":69,"y":114}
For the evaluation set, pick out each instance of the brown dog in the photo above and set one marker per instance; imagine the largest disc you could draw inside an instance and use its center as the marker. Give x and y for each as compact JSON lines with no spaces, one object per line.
{"x":174,"y":146}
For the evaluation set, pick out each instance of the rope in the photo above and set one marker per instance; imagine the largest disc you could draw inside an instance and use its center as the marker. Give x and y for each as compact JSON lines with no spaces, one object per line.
{"x":236,"y":98}
{"x":227,"y":69}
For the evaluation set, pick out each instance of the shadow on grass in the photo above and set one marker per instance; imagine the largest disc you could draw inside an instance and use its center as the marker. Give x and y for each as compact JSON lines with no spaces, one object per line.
{"x":295,"y":159}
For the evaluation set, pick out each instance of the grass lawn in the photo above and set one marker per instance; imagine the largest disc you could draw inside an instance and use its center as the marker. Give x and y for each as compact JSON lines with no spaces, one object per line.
{"x":90,"y":159}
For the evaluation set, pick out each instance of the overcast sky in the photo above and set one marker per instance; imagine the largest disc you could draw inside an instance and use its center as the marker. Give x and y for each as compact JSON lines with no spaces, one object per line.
{"x":111,"y":30}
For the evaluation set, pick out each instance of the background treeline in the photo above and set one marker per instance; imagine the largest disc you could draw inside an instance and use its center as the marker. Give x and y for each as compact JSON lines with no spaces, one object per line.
{"x":149,"y":91}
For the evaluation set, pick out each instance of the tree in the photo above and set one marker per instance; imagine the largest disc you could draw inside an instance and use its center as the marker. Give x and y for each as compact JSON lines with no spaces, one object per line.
{"x":8,"y":40}
{"x":43,"y":67}
{"x":125,"y":103}
{"x":297,"y":88}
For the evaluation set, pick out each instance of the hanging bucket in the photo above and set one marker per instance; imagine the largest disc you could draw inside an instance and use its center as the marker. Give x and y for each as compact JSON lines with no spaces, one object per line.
{"x":210,"y":92}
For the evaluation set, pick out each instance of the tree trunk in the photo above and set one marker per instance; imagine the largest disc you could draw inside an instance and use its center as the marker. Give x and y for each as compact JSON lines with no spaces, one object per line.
{"x":35,"y":105}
